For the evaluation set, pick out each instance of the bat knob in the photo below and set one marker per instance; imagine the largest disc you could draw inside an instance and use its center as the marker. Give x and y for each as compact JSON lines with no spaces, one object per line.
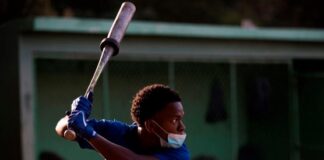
{"x":69,"y":135}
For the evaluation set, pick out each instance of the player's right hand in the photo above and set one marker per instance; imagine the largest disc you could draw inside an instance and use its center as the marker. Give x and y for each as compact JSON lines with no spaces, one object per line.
{"x":78,"y":123}
{"x":83,"y":104}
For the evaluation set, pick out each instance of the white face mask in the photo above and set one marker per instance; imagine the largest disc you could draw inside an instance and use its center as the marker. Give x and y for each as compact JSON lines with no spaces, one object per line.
{"x":174,"y":140}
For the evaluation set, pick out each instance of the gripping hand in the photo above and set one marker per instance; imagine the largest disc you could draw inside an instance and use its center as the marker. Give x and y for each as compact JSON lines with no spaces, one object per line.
{"x":78,"y":123}
{"x":83,"y":104}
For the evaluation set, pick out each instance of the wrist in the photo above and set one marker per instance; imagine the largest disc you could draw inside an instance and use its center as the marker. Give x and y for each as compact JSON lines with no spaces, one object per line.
{"x":93,"y":134}
{"x":88,"y":133}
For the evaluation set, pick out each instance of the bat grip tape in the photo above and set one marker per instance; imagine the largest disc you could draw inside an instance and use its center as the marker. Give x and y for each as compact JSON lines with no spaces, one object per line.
{"x":111,"y":42}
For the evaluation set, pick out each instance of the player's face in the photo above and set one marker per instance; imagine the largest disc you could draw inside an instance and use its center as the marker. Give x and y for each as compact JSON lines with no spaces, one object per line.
{"x":171,"y":118}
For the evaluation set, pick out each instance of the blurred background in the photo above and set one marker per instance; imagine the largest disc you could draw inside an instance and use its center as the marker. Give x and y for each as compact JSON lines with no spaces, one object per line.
{"x":250,"y":73}
{"x":270,"y":13}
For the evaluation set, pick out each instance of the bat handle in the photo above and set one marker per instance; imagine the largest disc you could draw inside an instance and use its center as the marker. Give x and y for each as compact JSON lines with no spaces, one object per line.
{"x":69,"y":135}
{"x":115,"y":35}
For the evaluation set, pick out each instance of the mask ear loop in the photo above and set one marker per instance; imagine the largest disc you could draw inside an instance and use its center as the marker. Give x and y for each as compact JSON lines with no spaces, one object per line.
{"x":160,"y":127}
{"x":167,"y":133}
{"x":162,"y":140}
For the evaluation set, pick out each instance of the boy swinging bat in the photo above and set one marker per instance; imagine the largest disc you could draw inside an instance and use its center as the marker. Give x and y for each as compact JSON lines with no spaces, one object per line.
{"x":158,"y":131}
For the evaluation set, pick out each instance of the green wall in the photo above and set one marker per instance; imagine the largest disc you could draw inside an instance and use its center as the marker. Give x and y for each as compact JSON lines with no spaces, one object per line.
{"x":267,"y":129}
{"x":309,"y":82}
{"x":58,"y":82}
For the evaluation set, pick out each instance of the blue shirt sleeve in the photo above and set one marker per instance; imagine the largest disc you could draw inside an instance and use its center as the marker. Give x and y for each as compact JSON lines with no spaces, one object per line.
{"x":112,"y":130}
{"x":173,"y":154}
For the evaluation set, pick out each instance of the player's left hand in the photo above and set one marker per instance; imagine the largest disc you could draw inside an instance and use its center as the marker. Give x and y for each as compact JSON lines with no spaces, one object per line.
{"x":83,"y":104}
{"x":78,"y":123}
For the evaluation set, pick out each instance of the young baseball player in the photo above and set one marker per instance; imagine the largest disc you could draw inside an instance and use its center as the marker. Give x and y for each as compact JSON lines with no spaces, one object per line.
{"x":158,"y":132}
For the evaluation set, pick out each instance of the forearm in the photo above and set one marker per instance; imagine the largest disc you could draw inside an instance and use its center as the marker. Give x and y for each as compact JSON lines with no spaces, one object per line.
{"x":61,"y":126}
{"x":114,"y":151}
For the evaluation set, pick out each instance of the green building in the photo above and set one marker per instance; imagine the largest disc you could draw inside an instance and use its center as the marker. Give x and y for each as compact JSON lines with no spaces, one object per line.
{"x":245,"y":91}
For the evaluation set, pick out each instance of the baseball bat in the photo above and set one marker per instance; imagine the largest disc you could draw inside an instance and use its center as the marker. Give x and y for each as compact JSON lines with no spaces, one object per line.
{"x":110,"y":47}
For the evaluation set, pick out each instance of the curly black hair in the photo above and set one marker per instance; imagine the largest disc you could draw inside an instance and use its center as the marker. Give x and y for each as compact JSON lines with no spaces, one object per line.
{"x":150,"y":100}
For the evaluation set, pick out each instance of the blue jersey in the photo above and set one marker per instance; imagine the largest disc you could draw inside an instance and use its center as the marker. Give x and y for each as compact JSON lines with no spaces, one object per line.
{"x":126,"y":136}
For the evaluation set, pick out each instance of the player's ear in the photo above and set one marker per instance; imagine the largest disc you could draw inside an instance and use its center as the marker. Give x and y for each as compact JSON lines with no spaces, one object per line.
{"x":148,"y":125}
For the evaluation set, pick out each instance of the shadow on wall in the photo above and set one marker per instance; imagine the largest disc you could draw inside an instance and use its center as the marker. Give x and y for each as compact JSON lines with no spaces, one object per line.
{"x":49,"y":155}
{"x":205,"y":157}
{"x":216,"y":109}
{"x":246,"y":152}
{"x":250,"y":152}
